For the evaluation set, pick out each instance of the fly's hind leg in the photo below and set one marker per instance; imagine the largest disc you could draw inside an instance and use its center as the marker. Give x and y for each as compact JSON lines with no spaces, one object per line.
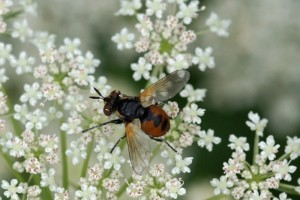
{"x":119,"y":140}
{"x":163,"y":140}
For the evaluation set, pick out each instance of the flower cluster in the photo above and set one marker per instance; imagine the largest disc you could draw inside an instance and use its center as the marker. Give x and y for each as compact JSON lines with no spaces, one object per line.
{"x":52,"y":111}
{"x":268,"y":171}
{"x":163,"y":36}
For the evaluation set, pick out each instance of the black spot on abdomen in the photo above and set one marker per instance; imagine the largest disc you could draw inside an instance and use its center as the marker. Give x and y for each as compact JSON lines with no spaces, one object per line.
{"x":164,"y":124}
{"x":157,"y":120}
{"x":149,"y":116}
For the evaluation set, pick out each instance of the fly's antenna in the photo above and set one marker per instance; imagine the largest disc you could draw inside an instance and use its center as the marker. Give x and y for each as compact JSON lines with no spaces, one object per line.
{"x":100,"y":95}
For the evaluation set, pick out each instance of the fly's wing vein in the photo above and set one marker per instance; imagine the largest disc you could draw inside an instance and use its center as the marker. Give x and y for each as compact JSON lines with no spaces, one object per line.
{"x":164,"y":88}
{"x":138,"y":146}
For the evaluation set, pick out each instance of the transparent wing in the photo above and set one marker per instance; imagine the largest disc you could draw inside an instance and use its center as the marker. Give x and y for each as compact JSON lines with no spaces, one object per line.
{"x":138,"y":146}
{"x":164,"y":88}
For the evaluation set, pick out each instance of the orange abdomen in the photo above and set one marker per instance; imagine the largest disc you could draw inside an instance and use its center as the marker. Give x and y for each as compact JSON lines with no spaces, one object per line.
{"x":155,"y":122}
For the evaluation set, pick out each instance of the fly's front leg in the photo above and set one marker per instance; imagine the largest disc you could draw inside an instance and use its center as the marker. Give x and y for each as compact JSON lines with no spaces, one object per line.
{"x":114,"y":121}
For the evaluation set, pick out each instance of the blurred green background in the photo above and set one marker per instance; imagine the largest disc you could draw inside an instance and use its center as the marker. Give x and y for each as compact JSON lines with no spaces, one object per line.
{"x":257,"y":68}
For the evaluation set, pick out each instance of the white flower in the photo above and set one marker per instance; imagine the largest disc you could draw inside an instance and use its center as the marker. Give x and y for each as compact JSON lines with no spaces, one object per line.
{"x":155,"y":7}
{"x":256,"y":196}
{"x":81,"y":75}
{"x":238,"y":144}
{"x":32,"y":93}
{"x":180,"y":62}
{"x":48,"y":53}
{"x":192,"y":114}
{"x":182,"y":164}
{"x":5,"y":50}
{"x":174,"y":188}
{"x":33,"y":191}
{"x":221,"y":185}
{"x":88,"y":61}
{"x":23,"y":64}
{"x":17,"y":147}
{"x":70,"y":47}
{"x":29,"y":6}
{"x":49,"y":142}
{"x":111,"y":184}
{"x":282,"y":170}
{"x":158,"y":170}
{"x":123,"y":39}
{"x":141,"y":69}
{"x":204,"y":58}
{"x":113,"y":159}
{"x":3,"y":105}
{"x":217,"y":25}
{"x":171,"y":109}
{"x":293,"y":147}
{"x":256,"y":124}
{"x":73,"y":125}
{"x":142,"y":45}
{"x":269,"y":149}
{"x":187,"y":12}
{"x":52,"y":91}
{"x":129,"y":7}
{"x":87,"y":192}
{"x":282,"y":196}
{"x":33,"y":165}
{"x":3,"y":26}
{"x":2,"y":124}
{"x":101,"y":85}
{"x":77,"y":151}
{"x":48,"y":179}
{"x":43,"y":40}
{"x":207,"y":139}
{"x":134,"y":190}
{"x":4,"y":6}
{"x":20,"y":112}
{"x":102,"y":148}
{"x":188,"y":37}
{"x":36,"y":119}
{"x":61,"y":194}
{"x":21,"y":30}
{"x":232,"y":167}
{"x":145,"y":25}
{"x":193,"y":95}
{"x":95,"y":173}
{"x":238,"y":192}
{"x":186,"y":139}
{"x":11,"y":189}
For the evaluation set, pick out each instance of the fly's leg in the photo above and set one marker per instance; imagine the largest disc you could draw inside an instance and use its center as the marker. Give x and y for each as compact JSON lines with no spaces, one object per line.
{"x":163,"y":140}
{"x":114,"y":121}
{"x":119,"y":140}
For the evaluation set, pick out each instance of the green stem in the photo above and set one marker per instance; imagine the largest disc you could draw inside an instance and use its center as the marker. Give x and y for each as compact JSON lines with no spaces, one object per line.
{"x":255,"y":148}
{"x":284,"y":156}
{"x":16,"y":125}
{"x":290,"y":189}
{"x":220,"y":196}
{"x":155,"y":72}
{"x":247,"y":165}
{"x":65,"y":177}
{"x":86,"y":161}
{"x":202,"y":31}
{"x":123,"y":187}
{"x":12,"y":14}
{"x":10,"y":163}
{"x":46,"y":193}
